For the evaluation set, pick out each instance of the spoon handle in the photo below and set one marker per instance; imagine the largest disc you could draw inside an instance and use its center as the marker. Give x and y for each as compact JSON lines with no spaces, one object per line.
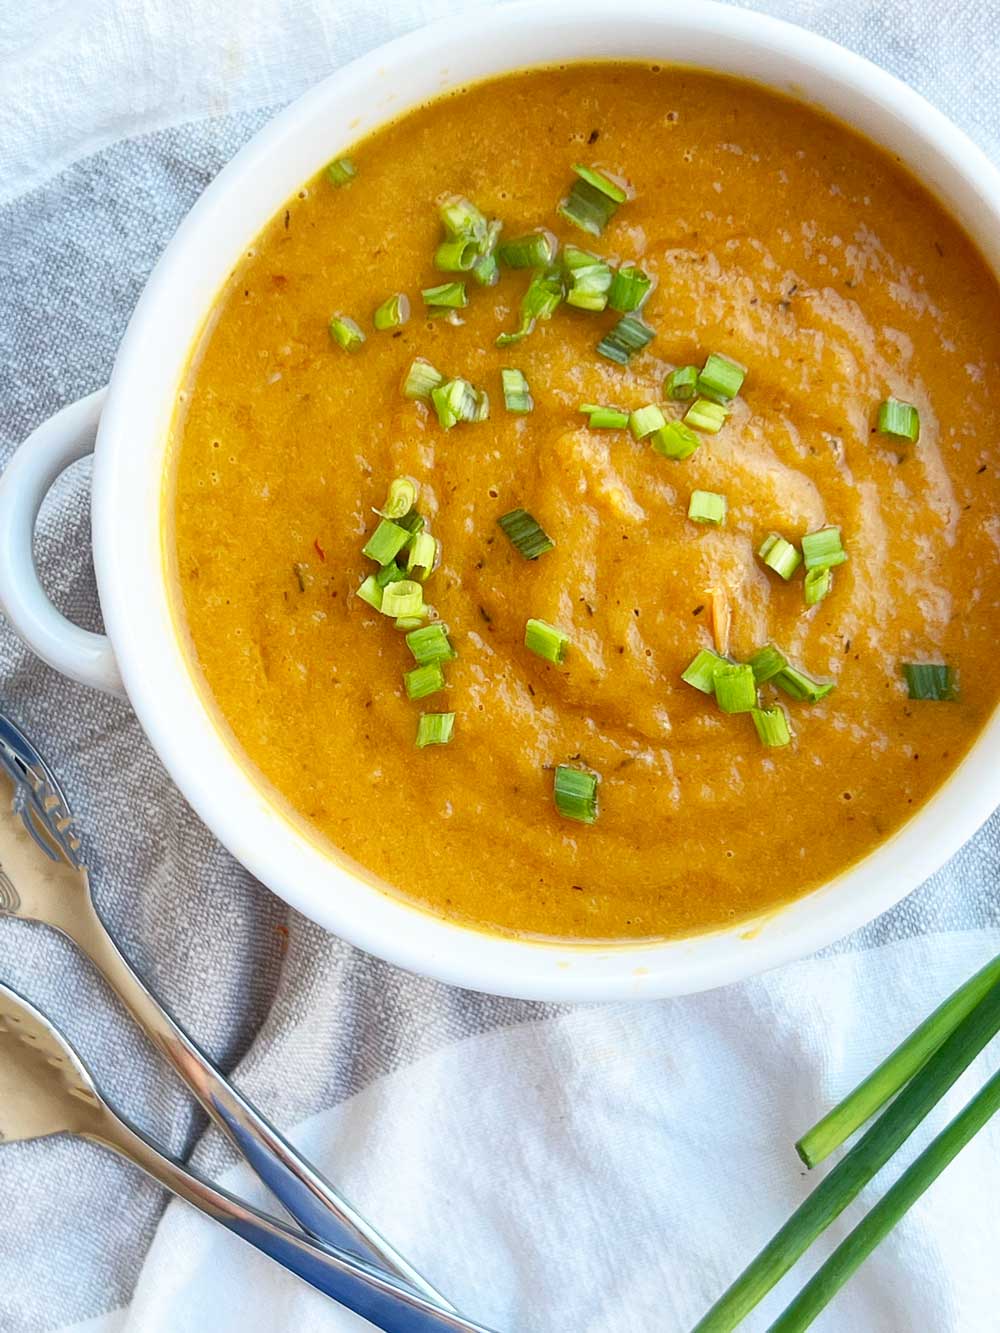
{"x":307,"y":1196}
{"x":370,"y":1292}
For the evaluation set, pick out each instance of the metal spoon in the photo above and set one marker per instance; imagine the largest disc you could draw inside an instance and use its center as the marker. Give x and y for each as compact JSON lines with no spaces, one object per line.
{"x":46,"y":1089}
{"x":54,"y":889}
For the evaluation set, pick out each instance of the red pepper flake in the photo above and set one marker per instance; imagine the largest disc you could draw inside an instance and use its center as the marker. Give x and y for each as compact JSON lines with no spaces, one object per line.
{"x":319,"y":550}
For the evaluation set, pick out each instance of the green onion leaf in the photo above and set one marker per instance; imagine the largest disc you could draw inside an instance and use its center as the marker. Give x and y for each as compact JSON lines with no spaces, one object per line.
{"x":930,"y":680}
{"x":421,"y":380}
{"x":460,"y":218}
{"x":629,"y":289}
{"x":779,"y":555}
{"x":412,"y":522}
{"x":340,"y":171}
{"x":516,"y":391}
{"x":390,"y":573}
{"x":818,"y":583}
{"x":370,"y":592}
{"x":392,"y":313}
{"x":605,"y":418}
{"x":589,"y":286}
{"x":823,"y":549}
{"x":435,"y":729}
{"x":675,"y":440}
{"x":681,"y":384}
{"x":901,"y":420}
{"x":701,"y":670}
{"x":422,"y":555}
{"x":423,"y":680}
{"x":407,"y":623}
{"x":601,"y":182}
{"x":431,"y":643}
{"x":644,"y":420}
{"x":706,"y":416}
{"x":526,"y":533}
{"x":592,"y":201}
{"x":404,"y":598}
{"x":707,"y":507}
{"x":536,"y":250}
{"x":455,"y":401}
{"x":721,"y":378}
{"x":629,"y":335}
{"x":575,"y":793}
{"x":458,"y":254}
{"x":386,"y":542}
{"x":546,"y":641}
{"x":539,"y":302}
{"x":772,"y":726}
{"x":735,"y":687}
{"x":401,"y":498}
{"x":486,"y":272}
{"x":446,"y":296}
{"x":766,"y":663}
{"x":345,"y":333}
{"x":797,"y":685}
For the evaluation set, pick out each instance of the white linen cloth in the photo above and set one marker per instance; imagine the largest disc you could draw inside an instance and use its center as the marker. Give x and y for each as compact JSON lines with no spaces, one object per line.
{"x":605,"y":1169}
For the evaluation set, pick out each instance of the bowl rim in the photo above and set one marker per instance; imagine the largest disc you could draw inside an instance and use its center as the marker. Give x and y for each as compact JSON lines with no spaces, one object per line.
{"x":128,"y":487}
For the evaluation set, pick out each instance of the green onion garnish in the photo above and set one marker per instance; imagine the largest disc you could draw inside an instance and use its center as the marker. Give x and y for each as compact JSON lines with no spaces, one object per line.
{"x":589,"y":286}
{"x":435,"y":729}
{"x":455,"y":401}
{"x":818,"y":583}
{"x":546,"y":641}
{"x":386,"y":542}
{"x":592,"y":201}
{"x":422,"y":555}
{"x":340,"y":171}
{"x":446,"y":296}
{"x":404,"y":598}
{"x":536,"y":250}
{"x":675,"y":440}
{"x":605,"y":418}
{"x":629,"y":335}
{"x":430,"y":643}
{"x":707,"y":507}
{"x":573,"y":258}
{"x":457,"y":254}
{"x":516,"y":391}
{"x":601,"y":182}
{"x":644,"y":420}
{"x":901,"y":420}
{"x":629,"y":289}
{"x":421,"y":380}
{"x":823,"y":549}
{"x":539,"y":301}
{"x":735,"y":687}
{"x":412,"y":522}
{"x":393,"y":312}
{"x":460,"y":218}
{"x":526,"y":533}
{"x":772,"y":725}
{"x":779,"y":555}
{"x":930,"y":680}
{"x":370,"y":592}
{"x":767,"y":662}
{"x":706,"y":416}
{"x":701,"y":670}
{"x":681,"y":384}
{"x":345,"y":333}
{"x":486,"y":272}
{"x":401,"y":498}
{"x":390,"y":573}
{"x":721,"y":379}
{"x":797,"y":685}
{"x":575,"y":793}
{"x":423,"y":680}
{"x":407,"y":623}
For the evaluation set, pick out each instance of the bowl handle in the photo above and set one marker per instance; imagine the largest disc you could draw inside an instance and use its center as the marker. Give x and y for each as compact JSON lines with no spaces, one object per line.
{"x":47,"y":452}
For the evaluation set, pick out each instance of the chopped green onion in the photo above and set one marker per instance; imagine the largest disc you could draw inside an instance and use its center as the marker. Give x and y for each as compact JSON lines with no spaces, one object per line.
{"x":457,"y":254}
{"x":482,"y":412}
{"x":412,"y":522}
{"x":446,"y":296}
{"x":772,"y":726}
{"x":370,"y":592}
{"x":823,"y":549}
{"x":818,"y":583}
{"x":401,"y":498}
{"x":460,"y":218}
{"x":706,"y":416}
{"x":386,"y":542}
{"x":455,"y":401}
{"x":707,"y":507}
{"x":797,"y":685}
{"x":721,"y":378}
{"x":435,"y":729}
{"x":539,"y":301}
{"x":575,"y":793}
{"x":407,"y":623}
{"x":421,"y":380}
{"x":423,"y":680}
{"x":601,"y":182}
{"x":681,"y":384}
{"x":901,"y":420}
{"x":390,"y":573}
{"x":779,"y":555}
{"x":486,"y":272}
{"x":536,"y":250}
{"x":516,"y":391}
{"x":629,"y":289}
{"x":526,"y":533}
{"x":605,"y":418}
{"x":701,"y":670}
{"x":421,"y":556}
{"x":546,"y":641}
{"x":644,"y":420}
{"x":573,"y":258}
{"x":340,"y":171}
{"x":345,"y":333}
{"x":929,"y":680}
{"x":589,"y":286}
{"x":393,"y":312}
{"x":431,"y":643}
{"x":629,"y":335}
{"x":675,"y":440}
{"x":766,"y":663}
{"x":405,"y":598}
{"x":735,"y":687}
{"x":592,"y":201}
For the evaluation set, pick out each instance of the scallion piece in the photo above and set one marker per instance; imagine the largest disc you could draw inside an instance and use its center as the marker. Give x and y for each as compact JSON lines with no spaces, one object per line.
{"x":772,"y":726}
{"x":818,"y":584}
{"x":340,"y":171}
{"x":766,"y":663}
{"x":446,"y":296}
{"x":706,"y":416}
{"x":402,"y":599}
{"x":701,"y":670}
{"x":421,"y":380}
{"x":823,"y":549}
{"x":605,"y":418}
{"x":592,"y":201}
{"x":345,"y":333}
{"x":392,"y":313}
{"x":707,"y":507}
{"x":423,"y":680}
{"x":589,"y":286}
{"x":930,"y":680}
{"x":457,"y":254}
{"x":546,"y":641}
{"x":461,"y":218}
{"x":486,"y":270}
{"x":536,"y":250}
{"x":401,"y":498}
{"x":412,"y":522}
{"x":539,"y":301}
{"x":644,"y":420}
{"x":779,"y":555}
{"x":386,"y":542}
{"x":431,"y":643}
{"x":407,"y":623}
{"x":575,"y":793}
{"x":797,"y":685}
{"x":601,"y":182}
{"x":390,"y":573}
{"x":629,"y":289}
{"x":735,"y":687}
{"x":675,"y":440}
{"x":721,"y":378}
{"x":901,"y":420}
{"x":573,"y":258}
{"x":629,"y":335}
{"x":435,"y":729}
{"x":516,"y":391}
{"x":422,"y":555}
{"x":526,"y":533}
{"x":455,"y":401}
{"x":482,"y":412}
{"x":681,"y":384}
{"x":370,"y":591}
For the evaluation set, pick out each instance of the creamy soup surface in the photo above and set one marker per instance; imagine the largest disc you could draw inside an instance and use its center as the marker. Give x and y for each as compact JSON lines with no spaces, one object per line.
{"x":775,"y":237}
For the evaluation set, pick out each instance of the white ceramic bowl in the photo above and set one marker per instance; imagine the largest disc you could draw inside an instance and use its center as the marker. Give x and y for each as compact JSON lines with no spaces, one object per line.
{"x":144,"y":654}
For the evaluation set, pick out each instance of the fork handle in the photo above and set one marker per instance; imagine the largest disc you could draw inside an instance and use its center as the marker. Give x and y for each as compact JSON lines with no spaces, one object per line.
{"x":383,"y":1300}
{"x":307,"y":1196}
